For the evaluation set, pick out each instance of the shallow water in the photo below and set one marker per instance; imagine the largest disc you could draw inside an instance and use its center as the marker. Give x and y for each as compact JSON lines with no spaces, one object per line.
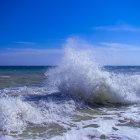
{"x":77,"y":100}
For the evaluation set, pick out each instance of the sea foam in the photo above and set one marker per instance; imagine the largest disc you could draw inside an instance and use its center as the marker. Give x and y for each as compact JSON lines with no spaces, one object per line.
{"x":22,"y":107}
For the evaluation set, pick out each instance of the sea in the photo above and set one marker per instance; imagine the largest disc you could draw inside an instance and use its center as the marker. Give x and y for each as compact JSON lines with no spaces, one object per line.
{"x":78,"y":99}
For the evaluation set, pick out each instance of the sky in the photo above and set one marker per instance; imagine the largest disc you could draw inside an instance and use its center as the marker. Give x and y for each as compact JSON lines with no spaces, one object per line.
{"x":34,"y":32}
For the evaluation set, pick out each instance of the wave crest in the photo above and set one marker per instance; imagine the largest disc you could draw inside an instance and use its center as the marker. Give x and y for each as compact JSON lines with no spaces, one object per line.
{"x":78,"y":75}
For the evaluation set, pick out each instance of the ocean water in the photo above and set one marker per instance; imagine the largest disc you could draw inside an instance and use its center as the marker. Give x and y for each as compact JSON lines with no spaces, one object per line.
{"x":77,"y":100}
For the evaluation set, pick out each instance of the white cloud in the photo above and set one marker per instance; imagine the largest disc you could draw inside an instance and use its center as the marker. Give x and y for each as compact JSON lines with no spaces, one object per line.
{"x":106,"y":53}
{"x":120,"y":46}
{"x":13,"y":56}
{"x":31,"y":51}
{"x":25,"y":42}
{"x":117,"y":28}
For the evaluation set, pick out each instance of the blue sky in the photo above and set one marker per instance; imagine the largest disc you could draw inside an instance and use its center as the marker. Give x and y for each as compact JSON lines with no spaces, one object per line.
{"x":32,"y":32}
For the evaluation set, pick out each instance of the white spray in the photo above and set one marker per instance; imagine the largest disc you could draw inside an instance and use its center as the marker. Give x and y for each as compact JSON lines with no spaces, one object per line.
{"x":79,"y":76}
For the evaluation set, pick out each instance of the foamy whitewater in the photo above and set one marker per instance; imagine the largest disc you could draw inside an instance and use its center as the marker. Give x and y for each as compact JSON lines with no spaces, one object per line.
{"x":76,"y":100}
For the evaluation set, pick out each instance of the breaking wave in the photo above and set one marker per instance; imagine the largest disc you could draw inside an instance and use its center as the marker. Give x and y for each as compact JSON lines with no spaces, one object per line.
{"x":55,"y":109}
{"x":78,"y":75}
